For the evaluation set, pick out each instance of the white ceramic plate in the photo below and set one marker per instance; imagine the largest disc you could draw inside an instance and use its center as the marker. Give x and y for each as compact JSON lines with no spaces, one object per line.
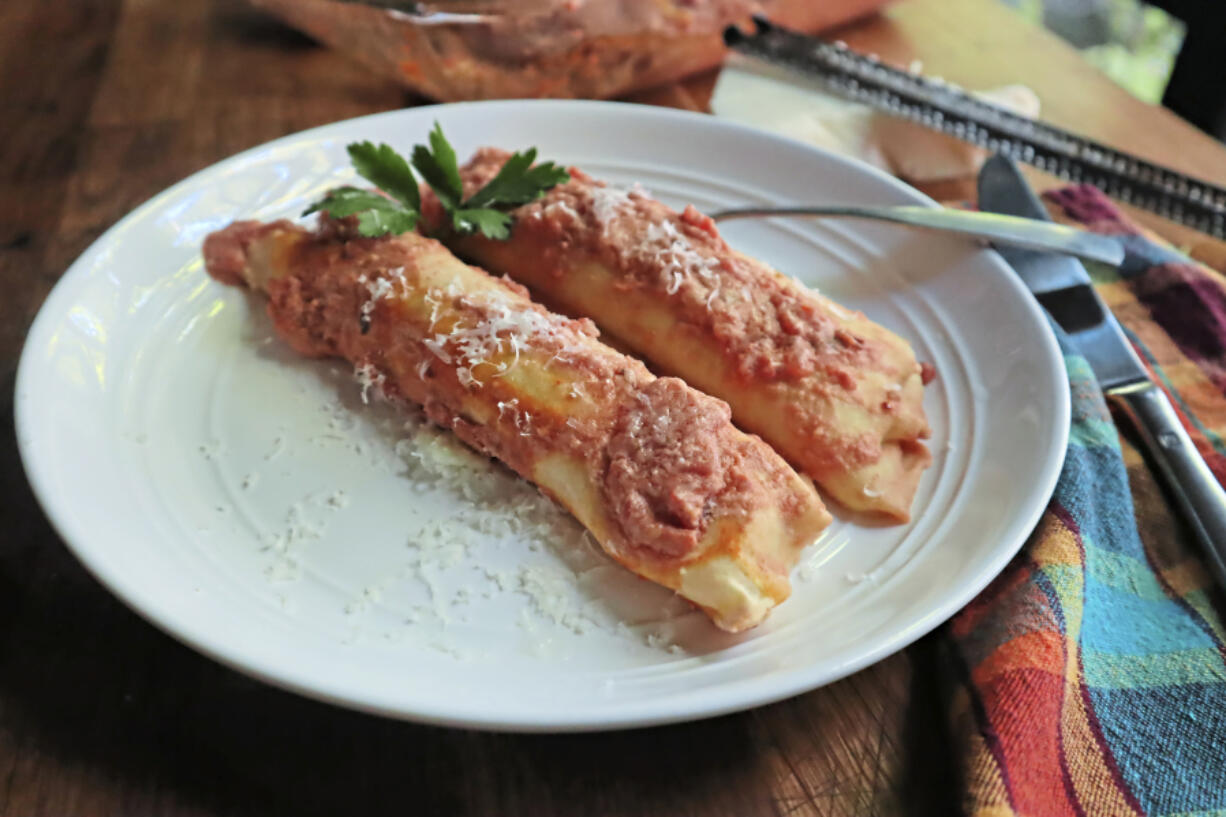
{"x":247,"y":502}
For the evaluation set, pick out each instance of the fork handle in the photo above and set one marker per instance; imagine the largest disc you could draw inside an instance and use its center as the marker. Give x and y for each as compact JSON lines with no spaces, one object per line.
{"x":1199,"y":495}
{"x":1012,"y":231}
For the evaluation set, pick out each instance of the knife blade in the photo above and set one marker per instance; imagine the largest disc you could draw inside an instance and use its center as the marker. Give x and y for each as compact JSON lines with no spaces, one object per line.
{"x":1062,"y":286}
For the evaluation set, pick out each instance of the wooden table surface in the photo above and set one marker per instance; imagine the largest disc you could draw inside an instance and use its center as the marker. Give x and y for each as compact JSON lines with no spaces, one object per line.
{"x":106,"y":102}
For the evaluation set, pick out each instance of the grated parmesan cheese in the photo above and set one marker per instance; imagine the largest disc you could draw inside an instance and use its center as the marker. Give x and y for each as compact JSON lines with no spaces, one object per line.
{"x":676,"y":279}
{"x":660,"y":243}
{"x":503,"y":329}
{"x":666,"y":245}
{"x":521,"y":419}
{"x":369,"y":378}
{"x":559,"y":207}
{"x":447,"y":564}
{"x":550,"y":594}
{"x":607,"y":202}
{"x":382,"y":287}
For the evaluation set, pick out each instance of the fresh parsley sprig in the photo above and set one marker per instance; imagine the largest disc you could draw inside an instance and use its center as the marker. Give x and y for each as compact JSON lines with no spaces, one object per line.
{"x":398,"y":208}
{"x":397,"y":212}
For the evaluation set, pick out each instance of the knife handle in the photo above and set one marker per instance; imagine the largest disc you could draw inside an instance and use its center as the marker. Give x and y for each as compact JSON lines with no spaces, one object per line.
{"x":1199,"y":494}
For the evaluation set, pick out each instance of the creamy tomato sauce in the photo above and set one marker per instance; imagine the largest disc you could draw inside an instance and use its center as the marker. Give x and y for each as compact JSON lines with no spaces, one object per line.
{"x":665,"y":457}
{"x":831,"y":390}
{"x":668,"y":463}
{"x":769,"y":328}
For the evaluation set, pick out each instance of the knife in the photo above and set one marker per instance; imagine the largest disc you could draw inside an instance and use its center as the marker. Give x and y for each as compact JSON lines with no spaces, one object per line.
{"x":1062,"y":287}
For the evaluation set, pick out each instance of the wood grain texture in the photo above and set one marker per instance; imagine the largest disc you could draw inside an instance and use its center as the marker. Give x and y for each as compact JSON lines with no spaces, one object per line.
{"x":106,"y":102}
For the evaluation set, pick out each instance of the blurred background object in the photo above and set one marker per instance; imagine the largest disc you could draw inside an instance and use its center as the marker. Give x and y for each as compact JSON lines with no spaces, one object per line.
{"x":1163,"y":51}
{"x":544,"y":48}
{"x":775,"y":99}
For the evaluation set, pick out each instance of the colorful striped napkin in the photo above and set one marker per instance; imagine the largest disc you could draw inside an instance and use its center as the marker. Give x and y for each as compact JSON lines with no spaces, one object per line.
{"x":1093,"y":670}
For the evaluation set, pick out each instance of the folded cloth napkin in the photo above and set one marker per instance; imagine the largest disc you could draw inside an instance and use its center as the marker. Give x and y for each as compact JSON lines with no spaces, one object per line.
{"x":1092,"y":671}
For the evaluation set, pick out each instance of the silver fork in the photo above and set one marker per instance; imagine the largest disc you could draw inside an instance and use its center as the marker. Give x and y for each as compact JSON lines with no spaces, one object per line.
{"x":1008,"y":230}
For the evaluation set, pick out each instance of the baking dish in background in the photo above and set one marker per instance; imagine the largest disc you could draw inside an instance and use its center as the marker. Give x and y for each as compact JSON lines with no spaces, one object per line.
{"x":545,"y":48}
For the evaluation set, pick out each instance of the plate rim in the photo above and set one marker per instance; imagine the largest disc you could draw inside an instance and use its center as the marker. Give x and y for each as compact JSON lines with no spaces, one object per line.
{"x":786,"y":685}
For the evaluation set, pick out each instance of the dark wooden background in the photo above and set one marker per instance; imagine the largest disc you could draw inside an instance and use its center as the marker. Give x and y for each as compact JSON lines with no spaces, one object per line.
{"x":105,"y":102}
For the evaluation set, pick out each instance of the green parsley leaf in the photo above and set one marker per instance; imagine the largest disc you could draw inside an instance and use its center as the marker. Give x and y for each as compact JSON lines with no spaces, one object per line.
{"x":519,"y":182}
{"x":376,"y":222}
{"x":387,"y":170}
{"x":377,"y":215}
{"x":491,"y":223}
{"x":345,"y":201}
{"x":437,"y":165}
